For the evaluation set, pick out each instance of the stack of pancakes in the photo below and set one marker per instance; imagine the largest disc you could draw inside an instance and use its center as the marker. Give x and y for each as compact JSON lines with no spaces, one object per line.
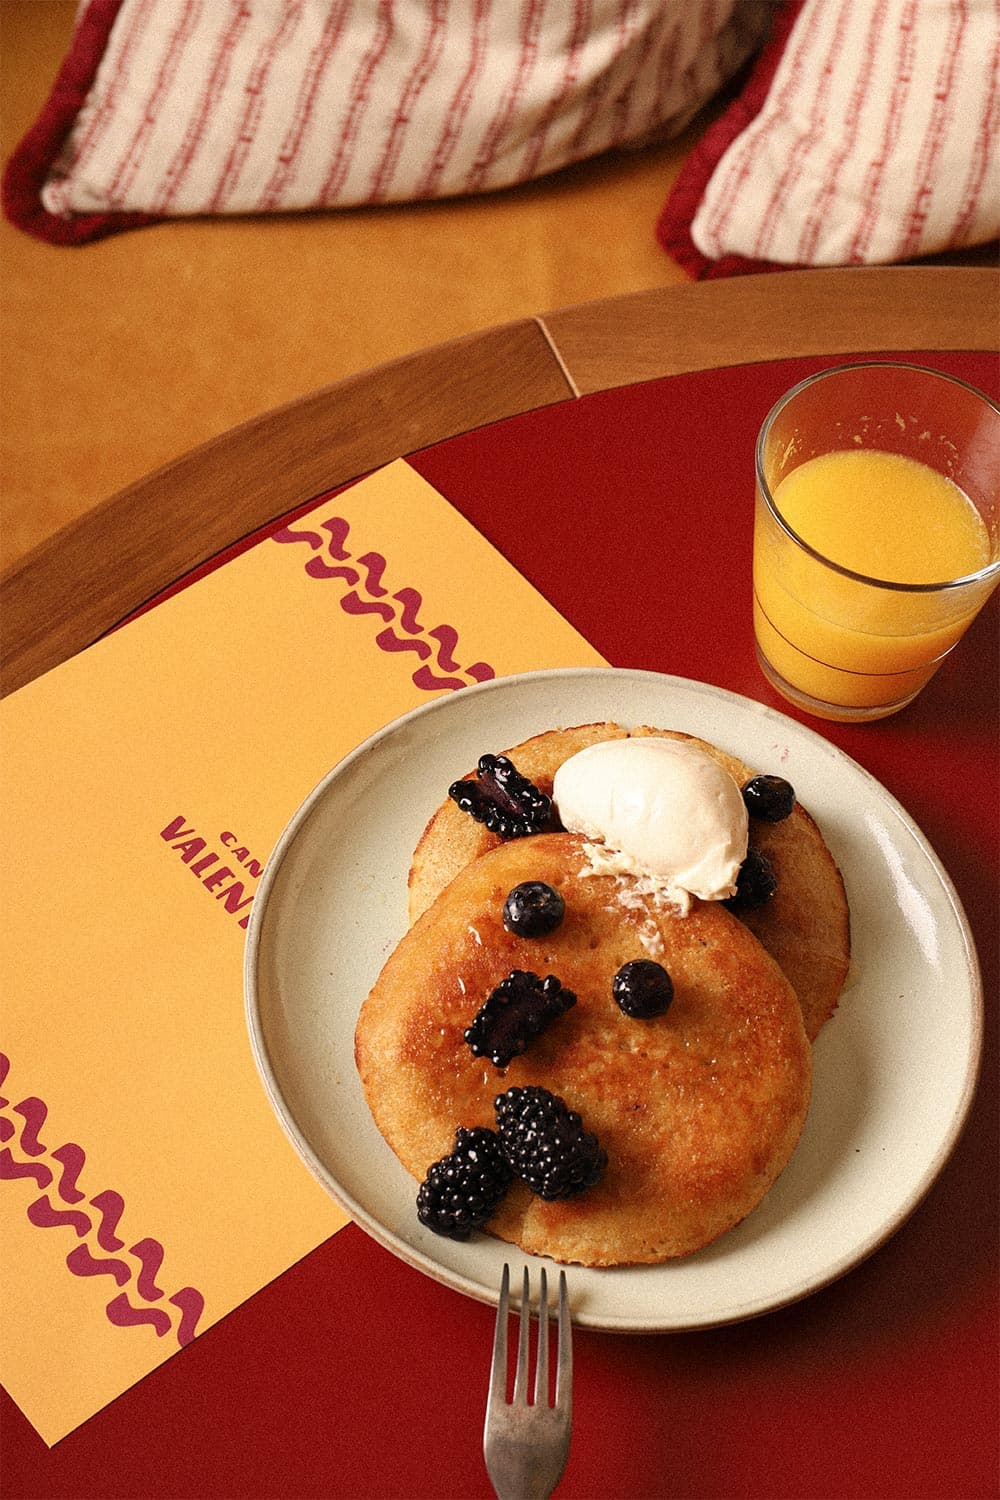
{"x":699,"y":1109}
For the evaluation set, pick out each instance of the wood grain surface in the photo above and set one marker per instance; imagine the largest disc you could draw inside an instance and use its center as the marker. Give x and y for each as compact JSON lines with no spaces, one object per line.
{"x":81,"y":582}
{"x":704,"y":325}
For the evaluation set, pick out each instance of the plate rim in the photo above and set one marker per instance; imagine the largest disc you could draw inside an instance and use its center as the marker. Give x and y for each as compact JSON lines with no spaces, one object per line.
{"x":368,"y":1222}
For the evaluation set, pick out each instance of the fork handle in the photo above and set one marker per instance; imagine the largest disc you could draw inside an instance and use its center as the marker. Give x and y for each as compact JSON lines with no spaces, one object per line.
{"x":524,"y":1475}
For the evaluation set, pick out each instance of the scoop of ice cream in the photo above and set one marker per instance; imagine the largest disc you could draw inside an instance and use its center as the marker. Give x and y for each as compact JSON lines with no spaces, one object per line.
{"x":659,"y":809}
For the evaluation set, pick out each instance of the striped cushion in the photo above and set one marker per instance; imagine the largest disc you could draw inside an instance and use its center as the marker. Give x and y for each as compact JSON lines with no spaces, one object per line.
{"x":869,"y":132}
{"x":169,"y":107}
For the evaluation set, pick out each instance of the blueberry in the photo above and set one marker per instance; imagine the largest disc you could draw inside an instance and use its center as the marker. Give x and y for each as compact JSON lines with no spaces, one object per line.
{"x":756,"y":883}
{"x":532,"y":909}
{"x":770,"y":798}
{"x":642,"y":989}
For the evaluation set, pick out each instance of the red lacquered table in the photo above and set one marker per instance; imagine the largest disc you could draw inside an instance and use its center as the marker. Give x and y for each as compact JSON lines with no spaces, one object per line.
{"x":353,"y":1375}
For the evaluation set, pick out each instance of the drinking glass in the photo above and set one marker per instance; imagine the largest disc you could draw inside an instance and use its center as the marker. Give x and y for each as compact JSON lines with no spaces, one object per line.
{"x":835,"y":641}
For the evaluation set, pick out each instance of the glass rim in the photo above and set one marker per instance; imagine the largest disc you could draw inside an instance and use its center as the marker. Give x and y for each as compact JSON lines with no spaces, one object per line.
{"x":764,"y":489}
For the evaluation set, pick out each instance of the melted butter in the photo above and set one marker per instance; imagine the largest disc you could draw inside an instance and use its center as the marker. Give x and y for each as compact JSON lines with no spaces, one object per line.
{"x":633,"y":889}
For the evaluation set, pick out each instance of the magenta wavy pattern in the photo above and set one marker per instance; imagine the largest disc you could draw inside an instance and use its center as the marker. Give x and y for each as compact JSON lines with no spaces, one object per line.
{"x":63,"y":1204}
{"x":364,"y":593}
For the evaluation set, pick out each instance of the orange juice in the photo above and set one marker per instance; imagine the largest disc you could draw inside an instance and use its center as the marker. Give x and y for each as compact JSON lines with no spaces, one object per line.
{"x":884,"y":515}
{"x":870,"y":642}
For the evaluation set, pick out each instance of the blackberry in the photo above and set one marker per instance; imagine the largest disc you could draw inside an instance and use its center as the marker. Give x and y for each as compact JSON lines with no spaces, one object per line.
{"x":756,"y":883}
{"x":520,"y":1007}
{"x":546,"y":1144}
{"x":770,"y":798}
{"x":642,"y":989}
{"x":465,"y":1188}
{"x":533,"y":908}
{"x":501,"y":798}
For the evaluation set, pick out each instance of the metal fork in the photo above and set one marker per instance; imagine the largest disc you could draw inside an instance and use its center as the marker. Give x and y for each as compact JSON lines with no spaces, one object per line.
{"x":526,"y":1444}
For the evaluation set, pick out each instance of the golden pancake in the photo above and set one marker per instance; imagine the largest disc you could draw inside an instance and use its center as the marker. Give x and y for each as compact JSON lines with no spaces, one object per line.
{"x":698,"y":1109}
{"x":805,"y":926}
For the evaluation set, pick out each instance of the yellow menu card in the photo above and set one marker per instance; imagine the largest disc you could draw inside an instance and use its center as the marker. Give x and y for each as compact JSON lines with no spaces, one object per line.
{"x":146,"y":1188}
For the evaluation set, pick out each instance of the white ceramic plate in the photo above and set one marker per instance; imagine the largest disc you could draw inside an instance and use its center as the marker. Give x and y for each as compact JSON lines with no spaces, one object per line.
{"x":894,"y":1069}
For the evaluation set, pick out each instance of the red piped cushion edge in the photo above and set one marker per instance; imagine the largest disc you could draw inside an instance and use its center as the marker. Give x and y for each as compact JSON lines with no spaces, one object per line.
{"x":37,"y":151}
{"x":673,"y":228}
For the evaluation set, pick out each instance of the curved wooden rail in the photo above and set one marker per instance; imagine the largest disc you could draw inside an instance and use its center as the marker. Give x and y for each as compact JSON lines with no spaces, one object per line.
{"x":81,"y":582}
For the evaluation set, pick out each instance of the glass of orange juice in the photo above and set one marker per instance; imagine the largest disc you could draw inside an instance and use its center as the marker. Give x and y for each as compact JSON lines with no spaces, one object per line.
{"x":876,"y":533}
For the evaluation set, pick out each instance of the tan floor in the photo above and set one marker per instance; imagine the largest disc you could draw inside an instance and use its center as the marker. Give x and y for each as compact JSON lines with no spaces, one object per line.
{"x":120,"y":355}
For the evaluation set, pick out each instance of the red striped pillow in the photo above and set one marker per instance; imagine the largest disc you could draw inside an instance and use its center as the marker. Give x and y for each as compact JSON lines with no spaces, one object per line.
{"x":170,"y":107}
{"x":869,"y":132}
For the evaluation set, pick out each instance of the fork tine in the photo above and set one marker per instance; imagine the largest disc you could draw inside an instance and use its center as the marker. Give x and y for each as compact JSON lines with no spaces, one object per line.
{"x":564,"y":1360}
{"x":498,"y":1369}
{"x":542,"y":1356}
